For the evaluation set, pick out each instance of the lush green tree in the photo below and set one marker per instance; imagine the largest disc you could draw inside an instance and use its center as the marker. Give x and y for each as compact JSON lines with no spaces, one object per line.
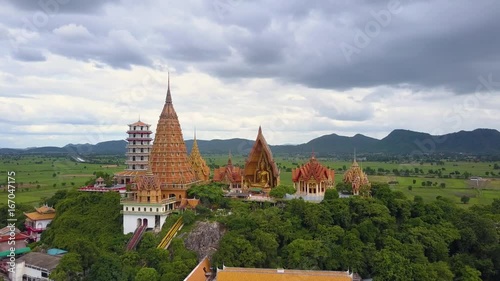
{"x":147,"y":274}
{"x":235,"y":250}
{"x":469,"y":274}
{"x":106,"y":268}
{"x":305,"y":254}
{"x":210,"y":195}
{"x":281,"y":190}
{"x":68,"y":269}
{"x":331,"y":194}
{"x":188,"y":217}
{"x":465,"y":199}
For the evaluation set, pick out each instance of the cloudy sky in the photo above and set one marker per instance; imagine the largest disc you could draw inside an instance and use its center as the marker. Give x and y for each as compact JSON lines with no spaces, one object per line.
{"x":76,"y":71}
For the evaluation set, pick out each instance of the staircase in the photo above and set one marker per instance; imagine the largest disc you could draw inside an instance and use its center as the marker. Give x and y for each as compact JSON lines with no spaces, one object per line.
{"x":170,"y":234}
{"x":132,"y":243}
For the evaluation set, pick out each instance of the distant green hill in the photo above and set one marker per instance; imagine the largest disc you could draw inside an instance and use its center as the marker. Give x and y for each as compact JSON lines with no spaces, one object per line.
{"x":479,"y":141}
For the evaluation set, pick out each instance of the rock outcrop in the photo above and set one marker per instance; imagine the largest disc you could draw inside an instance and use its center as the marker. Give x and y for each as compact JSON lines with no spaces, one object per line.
{"x":204,"y":238}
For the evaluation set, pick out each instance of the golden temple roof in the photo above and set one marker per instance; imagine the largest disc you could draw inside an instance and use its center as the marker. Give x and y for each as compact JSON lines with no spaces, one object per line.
{"x":42,"y":213}
{"x":200,"y":168}
{"x":261,"y":153}
{"x":253,"y":274}
{"x":168,"y":158}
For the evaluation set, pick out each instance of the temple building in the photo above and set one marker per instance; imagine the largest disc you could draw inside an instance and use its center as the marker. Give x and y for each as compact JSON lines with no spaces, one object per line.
{"x":230,"y":175}
{"x":157,"y":192}
{"x":244,"y":274}
{"x":138,"y":148}
{"x":312,"y":179}
{"x":260,"y":169}
{"x":36,"y":222}
{"x":356,"y":178}
{"x":200,"y":167}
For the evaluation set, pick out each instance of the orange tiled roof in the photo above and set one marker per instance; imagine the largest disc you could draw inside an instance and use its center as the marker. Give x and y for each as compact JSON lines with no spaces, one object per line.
{"x":228,"y":173}
{"x":313,"y":170}
{"x":253,"y":274}
{"x":36,"y":216}
{"x":198,"y":273}
{"x":45,"y":210}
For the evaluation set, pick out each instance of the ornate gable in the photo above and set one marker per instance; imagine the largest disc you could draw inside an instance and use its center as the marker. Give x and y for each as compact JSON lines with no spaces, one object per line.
{"x":260,"y":168}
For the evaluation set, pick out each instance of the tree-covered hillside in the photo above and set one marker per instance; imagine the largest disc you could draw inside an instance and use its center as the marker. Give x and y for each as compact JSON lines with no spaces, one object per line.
{"x":387,"y":237}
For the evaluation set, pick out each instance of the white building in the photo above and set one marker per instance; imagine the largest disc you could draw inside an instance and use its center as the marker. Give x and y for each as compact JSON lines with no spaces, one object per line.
{"x":153,"y":215}
{"x":34,"y":266}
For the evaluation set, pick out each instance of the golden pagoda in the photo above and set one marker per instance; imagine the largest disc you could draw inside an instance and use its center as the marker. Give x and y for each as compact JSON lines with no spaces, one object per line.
{"x":356,"y":177}
{"x":200,"y":168}
{"x":168,"y":158}
{"x":260,"y":169}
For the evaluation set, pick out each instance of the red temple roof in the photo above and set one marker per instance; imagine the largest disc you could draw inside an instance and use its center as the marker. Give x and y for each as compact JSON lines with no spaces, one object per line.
{"x":231,"y":173}
{"x":312,"y":170}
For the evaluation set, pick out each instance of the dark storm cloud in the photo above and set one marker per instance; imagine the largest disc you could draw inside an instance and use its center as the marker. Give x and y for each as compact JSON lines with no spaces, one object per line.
{"x":424,"y":44}
{"x":427,"y":44}
{"x":63,"y":6}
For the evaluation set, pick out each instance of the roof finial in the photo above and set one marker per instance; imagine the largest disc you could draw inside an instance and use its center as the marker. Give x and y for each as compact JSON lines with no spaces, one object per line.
{"x":139,"y":117}
{"x":229,"y":160}
{"x":194,"y":132}
{"x":169,"y":96}
{"x":354,"y":154}
{"x":312,"y":153}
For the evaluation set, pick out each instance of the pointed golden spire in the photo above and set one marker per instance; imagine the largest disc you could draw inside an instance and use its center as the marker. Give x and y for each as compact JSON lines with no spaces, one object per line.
{"x":229,"y":160}
{"x":169,"y":96}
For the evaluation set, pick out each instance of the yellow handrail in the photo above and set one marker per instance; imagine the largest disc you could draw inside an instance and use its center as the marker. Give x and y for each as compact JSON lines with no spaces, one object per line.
{"x":170,"y":234}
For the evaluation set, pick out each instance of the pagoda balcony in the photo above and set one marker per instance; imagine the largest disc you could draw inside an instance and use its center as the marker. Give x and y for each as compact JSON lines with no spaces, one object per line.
{"x":139,"y":145}
{"x":137,"y":153}
{"x":139,"y":132}
{"x":136,"y":162}
{"x":129,"y":200}
{"x":144,"y":213}
{"x":139,"y":139}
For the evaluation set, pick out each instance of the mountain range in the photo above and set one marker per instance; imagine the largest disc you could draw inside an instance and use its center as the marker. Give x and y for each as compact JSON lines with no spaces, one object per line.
{"x":479,"y":141}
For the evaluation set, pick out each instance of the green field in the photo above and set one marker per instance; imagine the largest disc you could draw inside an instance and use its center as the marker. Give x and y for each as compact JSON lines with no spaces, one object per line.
{"x":37,"y":175}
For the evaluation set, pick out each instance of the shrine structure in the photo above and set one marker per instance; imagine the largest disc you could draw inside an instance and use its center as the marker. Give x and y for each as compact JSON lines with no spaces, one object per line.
{"x":230,"y":175}
{"x":356,"y":178}
{"x":312,"y":179}
{"x":260,"y":169}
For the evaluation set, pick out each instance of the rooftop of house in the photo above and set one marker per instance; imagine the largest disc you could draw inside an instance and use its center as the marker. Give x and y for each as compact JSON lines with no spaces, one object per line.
{"x":41,"y":260}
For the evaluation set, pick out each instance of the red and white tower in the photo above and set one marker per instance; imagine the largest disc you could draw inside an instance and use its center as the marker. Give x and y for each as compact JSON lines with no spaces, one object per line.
{"x":138,"y":147}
